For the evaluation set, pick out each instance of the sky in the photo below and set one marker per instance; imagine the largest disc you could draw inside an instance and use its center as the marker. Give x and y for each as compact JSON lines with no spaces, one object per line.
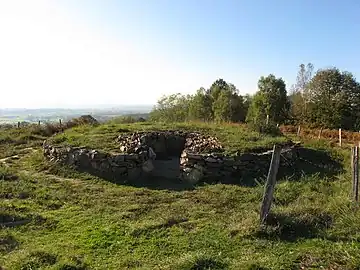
{"x":85,"y":53}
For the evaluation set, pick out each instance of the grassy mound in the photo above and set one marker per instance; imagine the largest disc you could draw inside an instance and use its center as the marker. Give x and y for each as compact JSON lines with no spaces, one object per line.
{"x":234,"y":137}
{"x":82,"y":222}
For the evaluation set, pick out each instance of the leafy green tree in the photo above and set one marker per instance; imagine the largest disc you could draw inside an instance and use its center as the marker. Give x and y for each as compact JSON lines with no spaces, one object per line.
{"x":334,"y":99}
{"x":200,"y":106}
{"x":271,"y":99}
{"x":217,"y":87}
{"x":246,"y":103}
{"x":256,"y":112}
{"x":238,"y":108}
{"x":299,"y":96}
{"x":172,"y":108}
{"x":222,"y":107}
{"x":221,"y":102}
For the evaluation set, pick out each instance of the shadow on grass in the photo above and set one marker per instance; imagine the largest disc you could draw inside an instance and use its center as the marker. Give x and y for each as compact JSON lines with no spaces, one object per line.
{"x":291,"y":227}
{"x":38,"y":260}
{"x":10,"y":220}
{"x":202,"y":262}
{"x":309,"y":162}
{"x":8,"y":243}
{"x":145,"y":181}
{"x":8,"y":176}
{"x":294,"y":166}
{"x":140,"y":181}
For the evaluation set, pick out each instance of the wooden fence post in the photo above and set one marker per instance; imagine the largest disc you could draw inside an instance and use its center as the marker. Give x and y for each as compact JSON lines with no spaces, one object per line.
{"x":340,"y":137}
{"x":18,"y":124}
{"x":39,"y":123}
{"x":60,"y":122}
{"x":352,"y":169}
{"x":270,"y":184}
{"x":355,"y":172}
{"x":298,"y":131}
{"x":320,"y":131}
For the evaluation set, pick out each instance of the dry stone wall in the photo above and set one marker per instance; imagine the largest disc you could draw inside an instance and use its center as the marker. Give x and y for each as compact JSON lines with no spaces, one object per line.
{"x":117,"y":167}
{"x":169,"y":143}
{"x":211,"y":167}
{"x":198,"y":160}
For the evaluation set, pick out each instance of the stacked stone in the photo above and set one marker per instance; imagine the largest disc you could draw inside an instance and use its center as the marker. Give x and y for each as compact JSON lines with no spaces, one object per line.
{"x":214,"y":166}
{"x":121,"y":166}
{"x":198,"y":143}
{"x":198,"y":161}
{"x":162,"y":141}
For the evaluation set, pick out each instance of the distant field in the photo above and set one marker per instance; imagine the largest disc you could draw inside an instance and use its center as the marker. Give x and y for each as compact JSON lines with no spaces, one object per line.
{"x":53,"y":115}
{"x":70,"y":220}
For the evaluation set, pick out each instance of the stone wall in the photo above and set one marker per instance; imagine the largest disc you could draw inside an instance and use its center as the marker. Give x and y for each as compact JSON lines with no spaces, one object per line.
{"x":198,"y":161}
{"x":116,"y":167}
{"x":210,"y":167}
{"x":169,"y":143}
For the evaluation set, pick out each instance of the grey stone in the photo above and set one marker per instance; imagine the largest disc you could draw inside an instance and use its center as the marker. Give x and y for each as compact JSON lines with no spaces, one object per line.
{"x":212,"y":160}
{"x":148,"y":166}
{"x":119,"y":158}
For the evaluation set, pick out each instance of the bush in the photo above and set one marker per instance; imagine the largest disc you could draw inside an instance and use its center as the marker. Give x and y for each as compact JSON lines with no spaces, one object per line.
{"x":50,"y":129}
{"x":268,"y":129}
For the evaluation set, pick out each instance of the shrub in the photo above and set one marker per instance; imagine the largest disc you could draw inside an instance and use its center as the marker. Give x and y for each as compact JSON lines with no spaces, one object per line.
{"x":269,"y":129}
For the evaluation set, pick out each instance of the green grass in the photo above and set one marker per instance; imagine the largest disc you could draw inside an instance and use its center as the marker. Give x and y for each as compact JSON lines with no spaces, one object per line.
{"x":83,"y":222}
{"x":14,"y":140}
{"x":233,"y":137}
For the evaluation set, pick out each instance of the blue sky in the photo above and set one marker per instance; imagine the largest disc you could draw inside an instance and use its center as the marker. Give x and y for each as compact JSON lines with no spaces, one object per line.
{"x":132,"y":52}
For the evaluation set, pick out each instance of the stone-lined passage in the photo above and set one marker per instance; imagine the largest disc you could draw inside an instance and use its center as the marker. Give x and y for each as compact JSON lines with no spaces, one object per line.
{"x":169,"y":143}
{"x":196,"y":154}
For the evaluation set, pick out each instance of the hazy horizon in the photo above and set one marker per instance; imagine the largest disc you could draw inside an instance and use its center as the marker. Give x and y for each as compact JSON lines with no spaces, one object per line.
{"x":102,"y":113}
{"x":85,"y":107}
{"x":64,"y":53}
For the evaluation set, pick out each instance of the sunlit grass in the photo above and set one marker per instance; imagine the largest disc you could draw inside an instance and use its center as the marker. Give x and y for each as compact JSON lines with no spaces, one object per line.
{"x":73,"y":220}
{"x":234,"y":137}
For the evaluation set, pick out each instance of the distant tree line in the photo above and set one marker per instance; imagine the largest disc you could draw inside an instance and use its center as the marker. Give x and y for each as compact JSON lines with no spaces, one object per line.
{"x":330,"y":98}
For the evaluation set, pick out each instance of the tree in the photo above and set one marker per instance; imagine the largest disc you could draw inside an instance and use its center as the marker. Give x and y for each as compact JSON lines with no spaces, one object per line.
{"x":256,"y":112}
{"x":299,"y":96}
{"x":221,"y":102}
{"x":200,"y":106}
{"x":238,"y":108}
{"x":334,"y":99}
{"x":223,"y":90}
{"x":173,"y":108}
{"x":271,"y":99}
{"x":247,"y":101}
{"x":222,"y":107}
{"x":218,"y":86}
{"x":303,"y":78}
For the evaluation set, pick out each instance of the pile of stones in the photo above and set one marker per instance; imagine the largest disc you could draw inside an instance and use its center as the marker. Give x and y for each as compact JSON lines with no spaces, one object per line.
{"x":171,"y":142}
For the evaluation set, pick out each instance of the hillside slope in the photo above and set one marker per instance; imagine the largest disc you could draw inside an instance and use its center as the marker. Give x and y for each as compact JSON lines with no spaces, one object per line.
{"x":58,"y":218}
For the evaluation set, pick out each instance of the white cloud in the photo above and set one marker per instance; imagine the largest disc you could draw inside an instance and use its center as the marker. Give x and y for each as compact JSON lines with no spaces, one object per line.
{"x":48,"y":58}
